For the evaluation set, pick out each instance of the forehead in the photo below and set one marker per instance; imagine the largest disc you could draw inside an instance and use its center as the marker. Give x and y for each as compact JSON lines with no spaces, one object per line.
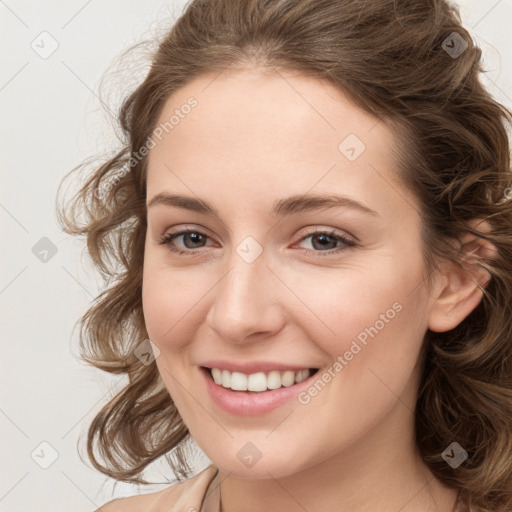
{"x":268,"y":104}
{"x":264,"y":131}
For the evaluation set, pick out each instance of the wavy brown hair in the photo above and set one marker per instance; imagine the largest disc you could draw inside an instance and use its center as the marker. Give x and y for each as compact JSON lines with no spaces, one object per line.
{"x":395,"y":60}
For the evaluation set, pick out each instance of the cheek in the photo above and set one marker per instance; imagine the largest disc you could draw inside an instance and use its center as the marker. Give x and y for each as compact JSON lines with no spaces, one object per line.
{"x":171,"y":301}
{"x":370,"y":322}
{"x":337,"y":306}
{"x":372,"y":355}
{"x":172,"y":306}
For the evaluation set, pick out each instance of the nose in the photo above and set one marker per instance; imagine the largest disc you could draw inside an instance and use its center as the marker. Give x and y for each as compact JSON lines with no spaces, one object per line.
{"x":246,"y":302}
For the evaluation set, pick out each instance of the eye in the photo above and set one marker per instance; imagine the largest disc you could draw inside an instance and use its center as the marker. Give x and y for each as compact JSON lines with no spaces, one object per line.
{"x":192,"y":239}
{"x":323,"y":242}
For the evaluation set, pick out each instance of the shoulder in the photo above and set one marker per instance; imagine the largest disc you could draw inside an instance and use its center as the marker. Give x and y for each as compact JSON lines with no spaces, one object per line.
{"x":133,"y":503}
{"x":191,"y":492}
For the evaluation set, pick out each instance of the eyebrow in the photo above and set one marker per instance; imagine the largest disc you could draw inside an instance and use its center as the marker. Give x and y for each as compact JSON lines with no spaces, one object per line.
{"x":287,"y":206}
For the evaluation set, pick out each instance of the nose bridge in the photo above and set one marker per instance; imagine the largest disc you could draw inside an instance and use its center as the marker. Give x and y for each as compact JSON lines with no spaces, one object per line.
{"x":244,"y":301}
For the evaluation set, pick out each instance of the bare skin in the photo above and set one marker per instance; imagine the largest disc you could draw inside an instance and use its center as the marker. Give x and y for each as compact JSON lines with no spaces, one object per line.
{"x":253,"y":139}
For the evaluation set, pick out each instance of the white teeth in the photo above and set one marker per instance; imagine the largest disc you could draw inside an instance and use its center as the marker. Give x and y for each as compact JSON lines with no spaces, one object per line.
{"x":288,"y":378}
{"x":238,"y":381}
{"x":217,"y":375}
{"x":226,"y":378}
{"x":258,"y":381}
{"x":274,"y":380}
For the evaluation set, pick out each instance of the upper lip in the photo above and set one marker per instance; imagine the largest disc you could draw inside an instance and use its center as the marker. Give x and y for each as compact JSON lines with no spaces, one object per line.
{"x":253,"y":366}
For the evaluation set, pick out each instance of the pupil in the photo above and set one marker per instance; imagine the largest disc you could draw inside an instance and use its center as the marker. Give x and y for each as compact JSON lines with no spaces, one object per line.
{"x":325,"y":238}
{"x":196,"y":237}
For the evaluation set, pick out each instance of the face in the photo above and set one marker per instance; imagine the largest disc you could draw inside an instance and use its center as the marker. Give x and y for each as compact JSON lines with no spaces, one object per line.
{"x":267,"y":278}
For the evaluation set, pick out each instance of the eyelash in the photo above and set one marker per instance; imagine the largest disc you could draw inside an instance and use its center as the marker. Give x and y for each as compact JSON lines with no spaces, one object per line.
{"x":169,"y":237}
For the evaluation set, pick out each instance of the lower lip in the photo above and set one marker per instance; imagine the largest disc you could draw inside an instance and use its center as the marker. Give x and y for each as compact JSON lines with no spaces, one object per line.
{"x":251,"y":403}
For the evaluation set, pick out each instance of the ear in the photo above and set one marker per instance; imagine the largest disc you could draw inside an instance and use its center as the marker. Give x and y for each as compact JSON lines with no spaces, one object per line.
{"x":459,"y":289}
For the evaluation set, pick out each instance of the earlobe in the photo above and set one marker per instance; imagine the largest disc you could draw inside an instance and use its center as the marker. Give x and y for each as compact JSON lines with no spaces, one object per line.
{"x":462,"y":284}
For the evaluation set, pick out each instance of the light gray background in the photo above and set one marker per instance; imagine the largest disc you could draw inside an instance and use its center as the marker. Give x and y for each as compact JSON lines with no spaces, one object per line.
{"x":51,"y":120}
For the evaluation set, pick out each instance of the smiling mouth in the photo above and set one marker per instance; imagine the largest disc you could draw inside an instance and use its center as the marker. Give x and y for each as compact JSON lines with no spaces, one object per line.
{"x":258,"y":382}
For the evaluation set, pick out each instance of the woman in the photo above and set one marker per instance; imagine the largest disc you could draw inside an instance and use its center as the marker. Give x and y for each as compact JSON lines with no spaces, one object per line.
{"x":311,"y":222}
